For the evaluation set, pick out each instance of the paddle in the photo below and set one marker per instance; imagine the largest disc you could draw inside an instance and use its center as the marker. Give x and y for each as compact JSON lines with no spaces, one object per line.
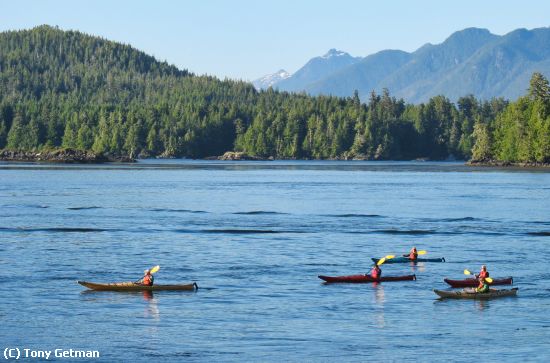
{"x":488,"y":279}
{"x":383,"y":259}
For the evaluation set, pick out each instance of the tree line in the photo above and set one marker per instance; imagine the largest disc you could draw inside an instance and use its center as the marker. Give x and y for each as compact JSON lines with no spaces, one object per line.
{"x":68,"y":89}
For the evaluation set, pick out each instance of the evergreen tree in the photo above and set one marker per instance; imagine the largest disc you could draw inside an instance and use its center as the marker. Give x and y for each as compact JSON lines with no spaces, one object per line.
{"x":482,"y":147}
{"x":539,"y":89}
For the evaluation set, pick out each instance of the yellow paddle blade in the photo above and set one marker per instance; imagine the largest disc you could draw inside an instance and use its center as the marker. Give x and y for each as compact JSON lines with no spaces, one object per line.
{"x":466,"y":272}
{"x":389,"y":257}
{"x":489,"y":280}
{"x":381,"y":261}
{"x":423,"y":252}
{"x":155,"y":269}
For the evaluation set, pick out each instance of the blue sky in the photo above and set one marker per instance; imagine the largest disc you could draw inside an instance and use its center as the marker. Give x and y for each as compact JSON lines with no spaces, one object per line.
{"x":246,"y":39}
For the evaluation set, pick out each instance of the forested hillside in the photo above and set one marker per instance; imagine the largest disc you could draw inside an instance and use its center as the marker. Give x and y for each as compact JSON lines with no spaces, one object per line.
{"x":521,"y":132}
{"x":68,"y":89}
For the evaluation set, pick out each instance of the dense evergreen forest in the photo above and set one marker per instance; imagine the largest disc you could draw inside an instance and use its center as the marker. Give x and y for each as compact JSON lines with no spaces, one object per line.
{"x":68,"y":89}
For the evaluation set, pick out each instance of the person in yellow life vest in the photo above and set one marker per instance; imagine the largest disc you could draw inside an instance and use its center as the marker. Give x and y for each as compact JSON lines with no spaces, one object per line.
{"x":147,"y":279}
{"x":483,"y":286}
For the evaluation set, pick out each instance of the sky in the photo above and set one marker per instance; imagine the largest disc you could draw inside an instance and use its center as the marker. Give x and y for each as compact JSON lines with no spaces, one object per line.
{"x":245,"y":39}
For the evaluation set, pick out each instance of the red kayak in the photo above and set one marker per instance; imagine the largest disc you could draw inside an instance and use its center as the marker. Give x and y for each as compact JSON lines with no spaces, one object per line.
{"x":365,"y":278}
{"x":471,"y":282}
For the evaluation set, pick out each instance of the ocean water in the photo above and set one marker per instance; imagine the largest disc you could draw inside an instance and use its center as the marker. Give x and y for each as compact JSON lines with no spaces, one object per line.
{"x":254,"y":236}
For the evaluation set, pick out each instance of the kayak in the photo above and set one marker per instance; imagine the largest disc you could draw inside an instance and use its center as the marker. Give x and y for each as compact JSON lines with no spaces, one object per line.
{"x":471,"y":294}
{"x":132,"y":286}
{"x":471,"y":282}
{"x":365,"y":278}
{"x":406,"y":259}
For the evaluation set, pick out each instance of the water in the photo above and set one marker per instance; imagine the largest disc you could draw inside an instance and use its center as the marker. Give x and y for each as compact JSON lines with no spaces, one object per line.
{"x":254,"y":236}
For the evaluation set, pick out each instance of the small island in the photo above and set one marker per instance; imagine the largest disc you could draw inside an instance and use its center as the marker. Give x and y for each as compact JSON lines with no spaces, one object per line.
{"x":239,"y":156}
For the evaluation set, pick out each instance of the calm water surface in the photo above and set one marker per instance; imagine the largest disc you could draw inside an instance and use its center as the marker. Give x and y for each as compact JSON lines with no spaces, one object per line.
{"x":254,"y":236}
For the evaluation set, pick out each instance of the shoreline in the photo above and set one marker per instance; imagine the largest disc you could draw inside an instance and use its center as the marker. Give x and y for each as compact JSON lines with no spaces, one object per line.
{"x":507,"y":164}
{"x":65,"y":156}
{"x":74,"y":156}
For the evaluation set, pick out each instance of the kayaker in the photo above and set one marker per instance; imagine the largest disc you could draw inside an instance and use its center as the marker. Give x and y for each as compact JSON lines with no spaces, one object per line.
{"x":483,"y":287}
{"x":376,"y":272}
{"x":147,"y":279}
{"x":413,"y":254}
{"x":483,"y":273}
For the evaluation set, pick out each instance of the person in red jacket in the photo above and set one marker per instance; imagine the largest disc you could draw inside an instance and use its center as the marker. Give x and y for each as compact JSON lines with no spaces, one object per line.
{"x":376,"y":272}
{"x":483,"y":273}
{"x":413,"y":255}
{"x":147,"y":279}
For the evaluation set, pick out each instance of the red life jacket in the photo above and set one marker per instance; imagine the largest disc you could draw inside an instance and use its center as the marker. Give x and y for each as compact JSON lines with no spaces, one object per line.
{"x":375,"y":273}
{"x":483,"y":274}
{"x":148,"y":280}
{"x":413,"y":256}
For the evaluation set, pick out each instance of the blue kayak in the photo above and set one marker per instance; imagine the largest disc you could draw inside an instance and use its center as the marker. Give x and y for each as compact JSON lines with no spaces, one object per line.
{"x":406,"y":259}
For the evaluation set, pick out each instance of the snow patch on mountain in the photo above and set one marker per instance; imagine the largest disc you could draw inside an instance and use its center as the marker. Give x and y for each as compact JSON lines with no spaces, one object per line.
{"x":271,"y":80}
{"x":334,"y":53}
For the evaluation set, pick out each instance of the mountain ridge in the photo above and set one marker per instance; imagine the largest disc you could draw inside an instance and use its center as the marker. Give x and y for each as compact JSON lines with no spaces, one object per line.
{"x":330,"y":62}
{"x":469,"y":61}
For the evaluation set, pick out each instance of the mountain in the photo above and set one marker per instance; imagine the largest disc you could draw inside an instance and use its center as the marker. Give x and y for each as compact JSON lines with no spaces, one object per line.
{"x":470,"y":61}
{"x":501,"y":68}
{"x":363,"y":76}
{"x":271,"y":79}
{"x":316,"y":69}
{"x":428,"y":66}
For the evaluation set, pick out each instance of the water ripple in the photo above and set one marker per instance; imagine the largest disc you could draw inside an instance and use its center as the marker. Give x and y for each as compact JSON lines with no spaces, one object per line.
{"x":176,"y":210}
{"x":539,"y":233}
{"x":353,"y":215}
{"x":260,"y":212}
{"x":57,"y":229}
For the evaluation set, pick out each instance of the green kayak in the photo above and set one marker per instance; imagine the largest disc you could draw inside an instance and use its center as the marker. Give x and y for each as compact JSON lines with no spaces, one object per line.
{"x":406,"y":259}
{"x":472,"y":294}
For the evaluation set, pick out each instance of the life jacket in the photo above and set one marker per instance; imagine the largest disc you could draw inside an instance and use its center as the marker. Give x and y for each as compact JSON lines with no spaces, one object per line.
{"x":375,"y":273}
{"x":413,"y":256}
{"x":148,"y":280}
{"x":482,"y":287}
{"x":483,"y":274}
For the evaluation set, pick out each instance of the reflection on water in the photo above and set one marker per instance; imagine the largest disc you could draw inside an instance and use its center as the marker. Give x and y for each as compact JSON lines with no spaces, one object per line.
{"x":418,"y":267}
{"x":151,"y":302}
{"x":379,"y":299}
{"x":482,"y":304}
{"x":152,"y":309}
